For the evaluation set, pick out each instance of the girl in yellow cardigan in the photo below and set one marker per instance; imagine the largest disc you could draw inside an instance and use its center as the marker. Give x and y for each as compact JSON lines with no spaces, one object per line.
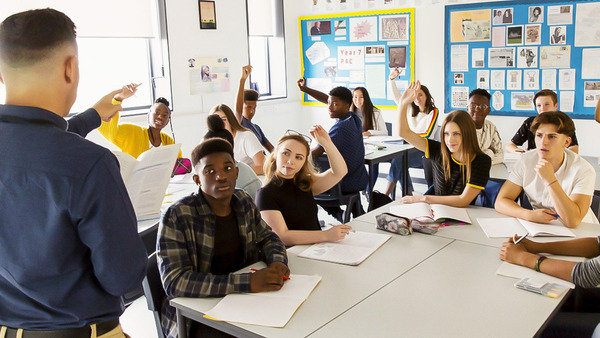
{"x":134,"y":139}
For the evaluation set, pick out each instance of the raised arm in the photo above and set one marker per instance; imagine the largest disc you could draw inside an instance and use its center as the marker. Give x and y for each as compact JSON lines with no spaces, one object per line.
{"x":338,"y":169}
{"x":239,"y":100}
{"x":597,"y":113}
{"x":317,"y":95}
{"x":405,"y":132}
{"x":393,"y":75}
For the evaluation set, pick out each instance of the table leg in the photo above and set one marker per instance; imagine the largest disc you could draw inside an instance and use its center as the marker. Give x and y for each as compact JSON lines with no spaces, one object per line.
{"x":371,"y":182}
{"x":405,"y":173}
{"x":181,"y":325}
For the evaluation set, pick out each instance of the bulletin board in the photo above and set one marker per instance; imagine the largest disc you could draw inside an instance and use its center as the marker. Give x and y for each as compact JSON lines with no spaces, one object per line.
{"x":358,"y":50}
{"x":516,"y":48}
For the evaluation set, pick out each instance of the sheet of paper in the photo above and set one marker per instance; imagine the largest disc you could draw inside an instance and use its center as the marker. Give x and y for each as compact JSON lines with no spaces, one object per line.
{"x":555,"y":56}
{"x":459,"y":58}
{"x":460,"y":97}
{"x":273,"y":308}
{"x":554,"y":227}
{"x":498,"y":100}
{"x":412,"y":210}
{"x":351,"y":57}
{"x":317,"y":52}
{"x":504,"y":227}
{"x":567,"y":101}
{"x":375,"y":80}
{"x":352,"y":250}
{"x":566,"y":79}
{"x":483,"y":79}
{"x":549,"y":79}
{"x":499,"y":36}
{"x":587,"y":25}
{"x":560,"y":15}
{"x":513,"y":79}
{"x":497,"y":79}
{"x":522,"y":101}
{"x":531,"y":79}
{"x":478,"y":58}
{"x":591,"y":93}
{"x":363,"y":29}
{"x":517,"y":271}
{"x":590,"y":63}
{"x":527,"y":57}
{"x":501,"y":57}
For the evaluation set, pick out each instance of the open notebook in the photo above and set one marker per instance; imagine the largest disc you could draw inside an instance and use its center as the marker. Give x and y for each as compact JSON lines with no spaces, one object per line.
{"x":432,"y":212}
{"x":352,"y":250}
{"x":271,"y":308}
{"x":508,"y":226}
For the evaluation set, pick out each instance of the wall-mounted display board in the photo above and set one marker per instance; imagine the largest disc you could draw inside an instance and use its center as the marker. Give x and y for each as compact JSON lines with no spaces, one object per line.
{"x":358,"y":50}
{"x":515,"y":48}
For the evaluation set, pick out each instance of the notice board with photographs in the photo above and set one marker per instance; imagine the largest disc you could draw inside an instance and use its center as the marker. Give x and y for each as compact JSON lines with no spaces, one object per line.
{"x":358,"y":50}
{"x":516,"y":48}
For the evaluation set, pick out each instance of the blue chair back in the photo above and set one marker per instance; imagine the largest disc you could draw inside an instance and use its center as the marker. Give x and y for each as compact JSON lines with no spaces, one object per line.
{"x":487,"y":197}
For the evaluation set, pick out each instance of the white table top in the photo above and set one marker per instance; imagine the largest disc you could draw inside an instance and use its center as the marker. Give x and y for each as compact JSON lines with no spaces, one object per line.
{"x":342,"y":286}
{"x":454,"y":293}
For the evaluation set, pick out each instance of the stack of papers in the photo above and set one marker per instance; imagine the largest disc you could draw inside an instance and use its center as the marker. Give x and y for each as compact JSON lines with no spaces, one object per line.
{"x":507,"y":227}
{"x":272,"y":308}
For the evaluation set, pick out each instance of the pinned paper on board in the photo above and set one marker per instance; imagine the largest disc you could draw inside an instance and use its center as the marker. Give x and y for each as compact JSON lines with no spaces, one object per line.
{"x":363,"y":29}
{"x":549,"y":79}
{"x":566,"y":79}
{"x":498,"y":100}
{"x":317,"y":52}
{"x":208,"y":75}
{"x":587,"y":25}
{"x":527,"y":57}
{"x":555,"y":56}
{"x":497,"y":79}
{"x":393,"y":27}
{"x":478,"y":58}
{"x":483,"y":79}
{"x":459,"y":58}
{"x":591,"y":93}
{"x":522,"y":100}
{"x":474,"y":25}
{"x":531,"y":79}
{"x":351,"y":57}
{"x":513,"y":79}
{"x":460,"y":97}
{"x":567,"y":101}
{"x":590,"y":63}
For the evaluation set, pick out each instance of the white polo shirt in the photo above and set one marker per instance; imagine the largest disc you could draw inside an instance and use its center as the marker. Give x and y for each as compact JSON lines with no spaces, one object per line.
{"x":575,"y":176}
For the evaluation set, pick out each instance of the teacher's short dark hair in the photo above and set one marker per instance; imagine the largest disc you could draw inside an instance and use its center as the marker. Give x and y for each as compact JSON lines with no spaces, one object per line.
{"x":27,"y":37}
{"x":342,"y":93}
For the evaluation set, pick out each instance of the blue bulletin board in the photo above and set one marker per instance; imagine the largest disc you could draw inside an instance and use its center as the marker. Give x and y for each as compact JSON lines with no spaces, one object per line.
{"x":358,"y":50}
{"x":516,"y":48}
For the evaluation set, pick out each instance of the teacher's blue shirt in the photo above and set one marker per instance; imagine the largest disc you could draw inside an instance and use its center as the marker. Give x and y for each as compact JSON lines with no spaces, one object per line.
{"x":69,"y":246}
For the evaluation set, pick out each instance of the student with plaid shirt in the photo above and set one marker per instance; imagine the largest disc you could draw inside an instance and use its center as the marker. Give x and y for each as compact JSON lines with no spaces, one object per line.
{"x":205,"y":237}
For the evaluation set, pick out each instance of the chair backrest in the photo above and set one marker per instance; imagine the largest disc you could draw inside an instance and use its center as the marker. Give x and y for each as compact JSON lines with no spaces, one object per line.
{"x":154,"y":292}
{"x":487,"y":197}
{"x":596,"y":205}
{"x":388,"y":126}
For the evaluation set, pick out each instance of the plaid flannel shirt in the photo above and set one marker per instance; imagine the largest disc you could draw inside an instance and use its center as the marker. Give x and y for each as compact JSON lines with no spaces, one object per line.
{"x":185,"y":246}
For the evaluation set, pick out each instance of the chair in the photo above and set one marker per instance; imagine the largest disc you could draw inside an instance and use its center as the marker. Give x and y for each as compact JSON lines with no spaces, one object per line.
{"x":154,"y":292}
{"x":487,"y":197}
{"x":334,"y":196}
{"x":388,"y":126}
{"x":596,"y":205}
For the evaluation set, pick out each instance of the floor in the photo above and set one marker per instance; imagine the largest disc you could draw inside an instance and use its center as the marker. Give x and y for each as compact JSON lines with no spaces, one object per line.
{"x":138,"y":322}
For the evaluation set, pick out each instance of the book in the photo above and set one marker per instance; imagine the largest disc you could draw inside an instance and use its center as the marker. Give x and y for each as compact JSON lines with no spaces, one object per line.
{"x":508,"y":226}
{"x":431,"y":212}
{"x":352,"y":250}
{"x":271,"y":308}
{"x":147,"y":177}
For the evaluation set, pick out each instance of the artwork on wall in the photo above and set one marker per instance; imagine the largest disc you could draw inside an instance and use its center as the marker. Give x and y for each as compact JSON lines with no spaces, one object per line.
{"x":208,"y":16}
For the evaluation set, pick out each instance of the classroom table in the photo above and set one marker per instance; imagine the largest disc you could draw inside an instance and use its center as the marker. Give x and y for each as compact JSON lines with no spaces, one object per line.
{"x":388,"y":152}
{"x":418,"y":285}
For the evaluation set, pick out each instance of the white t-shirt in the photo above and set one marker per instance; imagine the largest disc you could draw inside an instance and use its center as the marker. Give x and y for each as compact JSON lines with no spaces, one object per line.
{"x":246,"y":145}
{"x":247,"y":180}
{"x":575,"y":176}
{"x":423,"y":124}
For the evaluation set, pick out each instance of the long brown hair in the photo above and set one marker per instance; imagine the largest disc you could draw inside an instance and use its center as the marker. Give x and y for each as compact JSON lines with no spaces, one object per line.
{"x":233,"y":122}
{"x":429,"y":103}
{"x":469,"y":146}
{"x":367,"y":110}
{"x":303,"y":178}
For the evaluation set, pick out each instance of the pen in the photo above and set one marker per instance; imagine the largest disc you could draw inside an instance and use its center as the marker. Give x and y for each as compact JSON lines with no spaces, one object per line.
{"x":520,"y":239}
{"x":555,"y":215}
{"x":284,"y":277}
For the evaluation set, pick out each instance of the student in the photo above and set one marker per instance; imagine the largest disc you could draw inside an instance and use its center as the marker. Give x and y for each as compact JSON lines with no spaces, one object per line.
{"x":286,"y":202}
{"x":580,"y":315}
{"x":372,"y":121}
{"x":247,"y":179}
{"x":245,"y":108}
{"x":544,"y":100}
{"x":68,"y":235}
{"x":224,"y":228}
{"x":134,"y":139}
{"x":247,"y":147}
{"x":556,"y":180}
{"x":422,"y":119}
{"x":346,"y":135}
{"x":597,"y":112}
{"x":487,"y":134}
{"x":461,"y":170}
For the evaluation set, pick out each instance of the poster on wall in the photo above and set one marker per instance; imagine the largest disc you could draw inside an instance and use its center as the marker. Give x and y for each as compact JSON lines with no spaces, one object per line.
{"x":522,"y":100}
{"x":555,"y":56}
{"x":363,"y":29}
{"x":351,"y":57}
{"x":471,"y":26}
{"x":208,"y":75}
{"x":393,"y":27}
{"x":587,"y":25}
{"x":591,"y":93}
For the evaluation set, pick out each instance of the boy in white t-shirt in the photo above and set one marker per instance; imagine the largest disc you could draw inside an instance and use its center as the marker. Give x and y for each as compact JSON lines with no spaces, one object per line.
{"x":558,"y":182}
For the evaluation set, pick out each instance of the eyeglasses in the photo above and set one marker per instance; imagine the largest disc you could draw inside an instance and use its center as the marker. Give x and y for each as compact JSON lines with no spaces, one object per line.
{"x":482,"y":106}
{"x":293,"y":132}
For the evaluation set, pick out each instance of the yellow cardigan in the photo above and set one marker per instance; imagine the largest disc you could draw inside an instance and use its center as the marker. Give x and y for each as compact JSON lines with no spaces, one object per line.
{"x":131,"y":138}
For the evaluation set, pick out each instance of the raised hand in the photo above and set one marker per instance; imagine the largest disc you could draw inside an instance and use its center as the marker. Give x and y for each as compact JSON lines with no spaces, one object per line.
{"x":410,"y":94}
{"x":127,"y":91}
{"x":394,"y":73}
{"x":320,"y":134}
{"x":246,"y":70}
{"x":301,"y":83}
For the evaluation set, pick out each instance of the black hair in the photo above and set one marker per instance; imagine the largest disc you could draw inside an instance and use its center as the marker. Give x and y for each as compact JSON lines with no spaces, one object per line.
{"x":28,"y":37}
{"x":216,"y":128}
{"x":251,"y":95}
{"x":481,"y":92}
{"x":342,"y":93}
{"x":163,"y":101}
{"x":211,"y":146}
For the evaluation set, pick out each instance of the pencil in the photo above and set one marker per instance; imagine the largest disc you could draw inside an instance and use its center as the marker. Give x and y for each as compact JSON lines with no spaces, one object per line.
{"x":284,"y":277}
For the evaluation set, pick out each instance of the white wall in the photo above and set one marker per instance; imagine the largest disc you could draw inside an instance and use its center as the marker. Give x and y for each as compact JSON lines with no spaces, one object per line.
{"x":187,"y":40}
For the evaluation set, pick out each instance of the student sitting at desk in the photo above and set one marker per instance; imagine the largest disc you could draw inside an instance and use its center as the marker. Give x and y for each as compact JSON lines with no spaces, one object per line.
{"x":247,"y":179}
{"x":134,"y":139}
{"x":460,"y":169}
{"x":286,"y":201}
{"x":544,"y":100}
{"x":422,"y":119}
{"x":556,"y":180}
{"x":205,"y":237}
{"x":487,"y":134}
{"x":346,"y":135}
{"x":580,"y":314}
{"x":372,"y":121}
{"x":247,"y":147}
{"x":245,"y":108}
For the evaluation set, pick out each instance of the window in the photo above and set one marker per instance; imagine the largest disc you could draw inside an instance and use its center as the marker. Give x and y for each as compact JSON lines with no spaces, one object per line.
{"x":266,"y":48}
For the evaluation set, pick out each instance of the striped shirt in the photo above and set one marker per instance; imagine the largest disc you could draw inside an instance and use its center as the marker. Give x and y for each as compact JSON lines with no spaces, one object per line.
{"x":587,"y":274}
{"x":480,"y":171}
{"x":185,"y":242}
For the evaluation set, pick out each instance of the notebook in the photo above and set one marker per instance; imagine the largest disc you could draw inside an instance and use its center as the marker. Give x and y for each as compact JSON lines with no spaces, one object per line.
{"x":508,"y":226}
{"x":352,"y":250}
{"x":432,"y":212}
